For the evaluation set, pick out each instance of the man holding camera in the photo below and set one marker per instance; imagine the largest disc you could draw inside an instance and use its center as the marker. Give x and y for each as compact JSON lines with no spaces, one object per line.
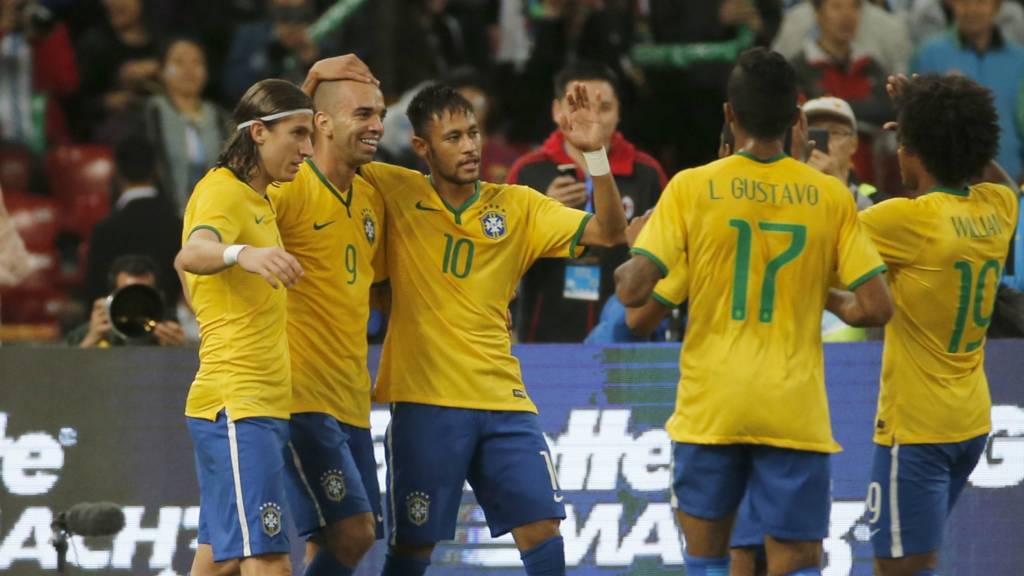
{"x":99,"y":332}
{"x":561,"y":299}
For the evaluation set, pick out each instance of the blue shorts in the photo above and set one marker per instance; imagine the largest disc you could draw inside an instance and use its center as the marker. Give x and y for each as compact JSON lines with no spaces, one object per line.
{"x":788,"y":490}
{"x":331,"y":473}
{"x":746,"y":530}
{"x":433,"y":450}
{"x":913,"y":488}
{"x":241,"y":470}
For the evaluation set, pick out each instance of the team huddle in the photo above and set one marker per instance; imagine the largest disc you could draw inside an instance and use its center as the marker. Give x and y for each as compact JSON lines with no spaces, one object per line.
{"x":297,"y":233}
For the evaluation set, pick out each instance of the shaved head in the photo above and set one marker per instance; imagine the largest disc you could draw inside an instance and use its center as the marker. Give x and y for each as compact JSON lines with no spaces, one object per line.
{"x":349,"y":118}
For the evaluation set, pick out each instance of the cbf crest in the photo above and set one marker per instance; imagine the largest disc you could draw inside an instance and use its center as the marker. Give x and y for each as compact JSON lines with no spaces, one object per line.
{"x":270,"y":519}
{"x":333,"y":483}
{"x":494,"y":221}
{"x":369,"y":226}
{"x":417,"y":505}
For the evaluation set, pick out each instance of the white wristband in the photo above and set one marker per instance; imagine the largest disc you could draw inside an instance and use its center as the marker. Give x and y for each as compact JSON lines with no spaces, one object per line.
{"x":231,"y":253}
{"x":597,"y":162}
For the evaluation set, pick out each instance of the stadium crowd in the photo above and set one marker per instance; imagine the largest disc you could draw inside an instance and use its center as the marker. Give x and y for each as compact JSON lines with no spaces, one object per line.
{"x":112,"y":110}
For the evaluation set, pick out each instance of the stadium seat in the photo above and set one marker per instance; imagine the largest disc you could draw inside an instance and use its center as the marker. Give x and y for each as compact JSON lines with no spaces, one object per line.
{"x":36,"y":218}
{"x":16,"y":167}
{"x":80,"y":178}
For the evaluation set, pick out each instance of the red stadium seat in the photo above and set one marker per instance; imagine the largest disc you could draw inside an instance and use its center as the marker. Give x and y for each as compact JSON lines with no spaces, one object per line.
{"x":36,"y":218}
{"x":80,"y":177}
{"x":15,"y":167}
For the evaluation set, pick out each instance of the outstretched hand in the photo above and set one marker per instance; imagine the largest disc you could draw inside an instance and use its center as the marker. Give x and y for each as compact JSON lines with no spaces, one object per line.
{"x":345,"y":67}
{"x":581,"y":126}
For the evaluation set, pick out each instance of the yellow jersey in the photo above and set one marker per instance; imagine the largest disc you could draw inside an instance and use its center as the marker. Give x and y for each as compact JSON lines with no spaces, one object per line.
{"x":945,"y":251}
{"x":243,"y":348}
{"x":337,"y":237}
{"x":453,"y":272}
{"x":672,"y":290}
{"x":761,"y":240}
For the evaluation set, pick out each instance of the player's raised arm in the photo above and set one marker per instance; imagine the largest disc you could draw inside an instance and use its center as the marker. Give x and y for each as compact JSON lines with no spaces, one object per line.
{"x":344,"y":67}
{"x":582,"y":130}
{"x":203,"y":253}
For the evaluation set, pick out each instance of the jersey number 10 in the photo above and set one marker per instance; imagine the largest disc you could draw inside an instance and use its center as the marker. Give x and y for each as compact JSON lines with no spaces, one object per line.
{"x":458,"y":256}
{"x":741,"y":276}
{"x":980,"y":320}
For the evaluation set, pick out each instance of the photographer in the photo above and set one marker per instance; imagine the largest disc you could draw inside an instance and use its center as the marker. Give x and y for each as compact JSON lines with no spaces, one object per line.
{"x":99,"y":332}
{"x":833,"y":126}
{"x":35,"y":52}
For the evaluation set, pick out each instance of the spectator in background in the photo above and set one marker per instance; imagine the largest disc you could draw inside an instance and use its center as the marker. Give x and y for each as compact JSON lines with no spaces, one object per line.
{"x":882,"y":34}
{"x":929,"y":18}
{"x":685,"y":56}
{"x":976,"y":48}
{"x":141,"y":222}
{"x":39,"y":72}
{"x":119,"y":62}
{"x":432,"y":43}
{"x":98,"y":332}
{"x":560,"y":299}
{"x":497,"y":156}
{"x":836,"y":117}
{"x":186,"y":130}
{"x":833,"y":65}
{"x":276,"y":47}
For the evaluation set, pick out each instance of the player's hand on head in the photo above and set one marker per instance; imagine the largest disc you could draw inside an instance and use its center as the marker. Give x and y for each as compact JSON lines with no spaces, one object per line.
{"x":568,"y":191}
{"x":581,"y":125}
{"x":273,"y":264}
{"x":169,"y":333}
{"x":345,"y":67}
{"x":636,"y":225}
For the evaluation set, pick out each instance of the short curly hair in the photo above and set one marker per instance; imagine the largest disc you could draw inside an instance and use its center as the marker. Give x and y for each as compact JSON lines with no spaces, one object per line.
{"x":951,"y":124}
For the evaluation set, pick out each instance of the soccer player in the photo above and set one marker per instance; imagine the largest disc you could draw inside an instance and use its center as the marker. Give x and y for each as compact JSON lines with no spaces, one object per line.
{"x":762,"y":236}
{"x":332,"y":221}
{"x":945,"y":250}
{"x":456,"y":247}
{"x":233,"y":269}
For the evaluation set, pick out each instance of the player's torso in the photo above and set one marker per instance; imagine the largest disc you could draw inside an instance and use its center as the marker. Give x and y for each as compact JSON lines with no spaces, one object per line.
{"x":453,"y":271}
{"x":761,"y":243}
{"x":241,"y":317}
{"x":335,"y":235}
{"x":462,"y":263}
{"x":944,"y":299}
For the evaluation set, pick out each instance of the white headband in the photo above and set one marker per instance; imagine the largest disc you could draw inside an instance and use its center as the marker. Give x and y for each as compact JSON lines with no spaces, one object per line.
{"x":271,"y":117}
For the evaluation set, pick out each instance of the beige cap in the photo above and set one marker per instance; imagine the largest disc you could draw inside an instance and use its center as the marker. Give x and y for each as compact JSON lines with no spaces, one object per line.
{"x":830,"y":106}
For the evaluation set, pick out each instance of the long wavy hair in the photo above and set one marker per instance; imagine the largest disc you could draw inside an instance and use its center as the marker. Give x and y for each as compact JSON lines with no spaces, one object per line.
{"x":266,"y":97}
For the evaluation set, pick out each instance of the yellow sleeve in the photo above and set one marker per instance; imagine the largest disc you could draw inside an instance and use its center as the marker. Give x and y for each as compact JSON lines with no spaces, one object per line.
{"x":380,"y":258}
{"x":663,"y":238}
{"x":216,"y":208}
{"x":857,"y":260}
{"x":554,"y":229}
{"x":383,"y":176}
{"x":288,"y":202}
{"x":887,"y":225}
{"x":672,"y":290}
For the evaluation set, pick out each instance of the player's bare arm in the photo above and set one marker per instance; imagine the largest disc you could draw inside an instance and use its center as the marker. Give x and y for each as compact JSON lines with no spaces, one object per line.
{"x":870,"y":304}
{"x":582,"y":130}
{"x":635,"y":280}
{"x":345,"y":67}
{"x":204,"y":254}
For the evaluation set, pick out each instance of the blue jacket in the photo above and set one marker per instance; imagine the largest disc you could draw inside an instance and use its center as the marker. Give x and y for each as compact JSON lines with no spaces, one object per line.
{"x":1001,"y":69}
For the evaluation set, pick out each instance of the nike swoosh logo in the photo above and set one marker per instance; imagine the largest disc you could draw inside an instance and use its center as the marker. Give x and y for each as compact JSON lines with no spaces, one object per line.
{"x":559,"y":498}
{"x":420,"y":206}
{"x":872,"y":533}
{"x":259,"y":219}
{"x":322,"y":226}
